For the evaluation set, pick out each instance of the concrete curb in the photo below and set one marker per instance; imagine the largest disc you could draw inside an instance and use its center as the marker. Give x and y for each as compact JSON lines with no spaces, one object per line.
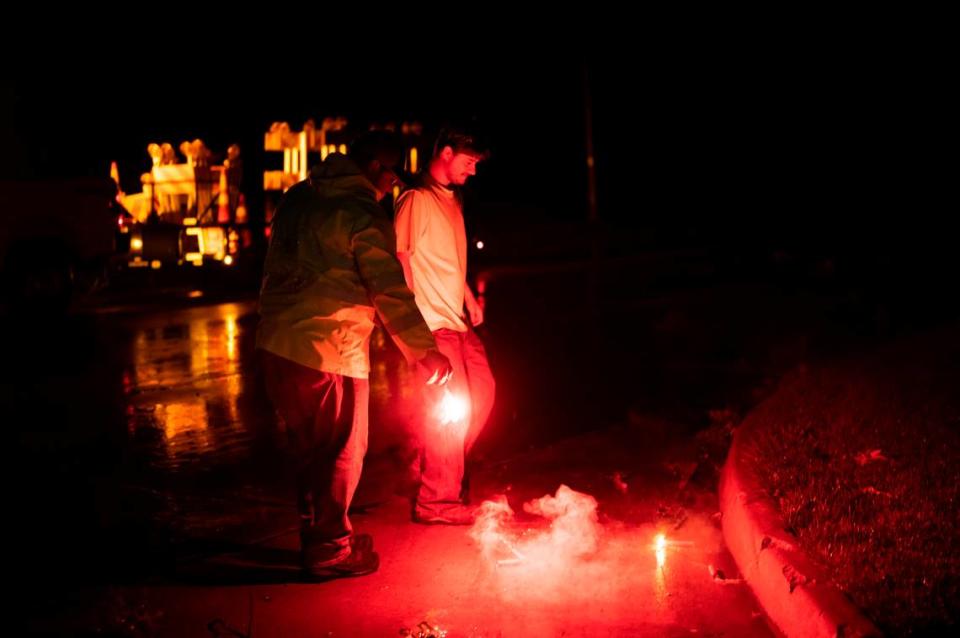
{"x":795,"y":594}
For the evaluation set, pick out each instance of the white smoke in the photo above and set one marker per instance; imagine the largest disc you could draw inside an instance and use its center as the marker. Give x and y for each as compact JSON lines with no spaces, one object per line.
{"x":573,"y":534}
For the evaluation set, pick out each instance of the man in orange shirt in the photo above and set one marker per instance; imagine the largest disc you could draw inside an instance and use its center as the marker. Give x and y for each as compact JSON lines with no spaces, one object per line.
{"x":432,"y":247}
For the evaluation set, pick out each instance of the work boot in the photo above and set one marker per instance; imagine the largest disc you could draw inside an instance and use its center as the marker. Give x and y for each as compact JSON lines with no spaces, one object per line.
{"x":455,"y":514}
{"x":359,"y":561}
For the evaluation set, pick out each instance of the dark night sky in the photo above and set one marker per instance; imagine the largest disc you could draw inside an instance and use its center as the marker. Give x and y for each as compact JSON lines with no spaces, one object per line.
{"x":77,"y":120}
{"x":744,"y":141}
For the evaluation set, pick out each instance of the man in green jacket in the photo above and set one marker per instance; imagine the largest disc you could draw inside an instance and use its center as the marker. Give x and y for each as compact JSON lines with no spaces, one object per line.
{"x":330,"y":269}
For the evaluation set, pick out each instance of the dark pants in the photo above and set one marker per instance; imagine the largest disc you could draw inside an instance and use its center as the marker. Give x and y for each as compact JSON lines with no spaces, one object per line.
{"x":326,"y":420}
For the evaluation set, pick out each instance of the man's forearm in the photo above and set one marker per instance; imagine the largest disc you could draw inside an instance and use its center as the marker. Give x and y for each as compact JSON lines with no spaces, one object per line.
{"x":468,"y":294}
